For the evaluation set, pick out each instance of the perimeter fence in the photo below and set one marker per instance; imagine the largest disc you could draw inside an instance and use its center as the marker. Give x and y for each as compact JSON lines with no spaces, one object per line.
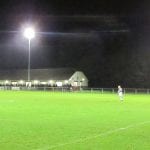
{"x":76,"y":89}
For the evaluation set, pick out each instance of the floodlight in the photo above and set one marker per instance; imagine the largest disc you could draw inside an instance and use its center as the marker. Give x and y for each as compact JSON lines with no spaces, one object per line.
{"x":66,"y":81}
{"x":43,"y":83}
{"x":6,"y":82}
{"x":50,"y":81}
{"x":83,"y":79}
{"x":21,"y":81}
{"x":36,"y":81}
{"x":14,"y":83}
{"x":29,"y":33}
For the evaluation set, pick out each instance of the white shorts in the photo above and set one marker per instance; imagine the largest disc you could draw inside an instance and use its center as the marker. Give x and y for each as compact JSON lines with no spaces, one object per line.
{"x":120,"y":94}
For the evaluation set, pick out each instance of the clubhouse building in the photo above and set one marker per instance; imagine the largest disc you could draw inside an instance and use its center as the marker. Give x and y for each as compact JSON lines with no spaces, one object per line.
{"x":58,"y":77}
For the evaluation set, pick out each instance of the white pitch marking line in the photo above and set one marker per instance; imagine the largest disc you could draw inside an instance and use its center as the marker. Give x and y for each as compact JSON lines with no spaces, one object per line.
{"x":94,"y":136}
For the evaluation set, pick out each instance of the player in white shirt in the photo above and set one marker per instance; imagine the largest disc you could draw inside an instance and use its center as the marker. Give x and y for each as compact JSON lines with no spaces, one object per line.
{"x":120,"y":92}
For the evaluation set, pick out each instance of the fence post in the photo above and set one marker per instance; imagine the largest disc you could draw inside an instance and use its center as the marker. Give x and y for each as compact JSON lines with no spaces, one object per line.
{"x":91,"y":90}
{"x":113,"y":90}
{"x":135,"y":91}
{"x":147,"y":91}
{"x":102,"y":90}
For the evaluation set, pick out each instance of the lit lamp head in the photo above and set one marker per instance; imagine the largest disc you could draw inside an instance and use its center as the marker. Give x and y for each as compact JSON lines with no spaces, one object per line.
{"x":29,"y":33}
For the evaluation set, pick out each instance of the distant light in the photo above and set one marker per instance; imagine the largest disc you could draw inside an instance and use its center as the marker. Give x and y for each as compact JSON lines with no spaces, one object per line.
{"x":59,"y":84}
{"x":66,"y":81}
{"x":36,"y":81}
{"x":43,"y":83}
{"x":50,"y":81}
{"x":21,"y":81}
{"x":14,"y":83}
{"x":6,"y":82}
{"x":29,"y":33}
{"x":83,"y":79}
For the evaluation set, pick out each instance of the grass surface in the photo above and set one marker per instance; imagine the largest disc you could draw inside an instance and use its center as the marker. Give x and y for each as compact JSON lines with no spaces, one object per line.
{"x":73,"y":121}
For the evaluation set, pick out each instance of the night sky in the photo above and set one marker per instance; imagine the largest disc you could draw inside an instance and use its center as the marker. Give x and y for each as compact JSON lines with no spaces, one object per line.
{"x":108,"y":40}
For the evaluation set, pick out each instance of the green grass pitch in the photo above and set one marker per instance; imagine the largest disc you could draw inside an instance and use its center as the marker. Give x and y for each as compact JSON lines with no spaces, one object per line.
{"x":73,"y":121}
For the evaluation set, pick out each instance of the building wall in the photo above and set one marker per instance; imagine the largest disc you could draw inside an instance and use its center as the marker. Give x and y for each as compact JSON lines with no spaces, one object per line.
{"x":78,"y":79}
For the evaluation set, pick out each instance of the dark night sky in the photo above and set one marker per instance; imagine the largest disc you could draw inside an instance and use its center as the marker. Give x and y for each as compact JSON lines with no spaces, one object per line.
{"x":108,"y":40}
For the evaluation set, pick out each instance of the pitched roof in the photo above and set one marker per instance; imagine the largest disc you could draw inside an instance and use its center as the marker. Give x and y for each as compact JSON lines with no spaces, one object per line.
{"x":37,"y":74}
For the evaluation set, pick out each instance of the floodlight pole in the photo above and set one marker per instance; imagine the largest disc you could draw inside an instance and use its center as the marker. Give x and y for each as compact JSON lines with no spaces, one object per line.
{"x":29,"y":34}
{"x":29,"y":61}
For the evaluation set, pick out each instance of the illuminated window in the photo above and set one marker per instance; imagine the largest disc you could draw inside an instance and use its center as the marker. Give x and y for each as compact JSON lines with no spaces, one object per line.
{"x":59,"y":83}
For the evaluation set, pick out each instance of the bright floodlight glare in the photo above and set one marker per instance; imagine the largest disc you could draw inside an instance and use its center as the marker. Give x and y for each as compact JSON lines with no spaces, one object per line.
{"x":29,"y":33}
